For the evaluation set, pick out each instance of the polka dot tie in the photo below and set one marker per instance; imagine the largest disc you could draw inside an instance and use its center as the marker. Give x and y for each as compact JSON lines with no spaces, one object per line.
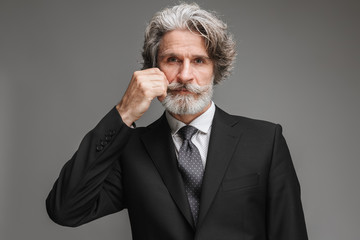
{"x":191,"y":169}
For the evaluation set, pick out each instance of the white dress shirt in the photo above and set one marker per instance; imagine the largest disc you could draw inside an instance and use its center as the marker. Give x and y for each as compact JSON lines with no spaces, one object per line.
{"x":201,"y":138}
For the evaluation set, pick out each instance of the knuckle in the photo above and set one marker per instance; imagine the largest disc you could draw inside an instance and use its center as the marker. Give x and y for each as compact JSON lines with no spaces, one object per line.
{"x":164,"y":88}
{"x":164,"y":76}
{"x":136,"y":73}
{"x":141,"y":84}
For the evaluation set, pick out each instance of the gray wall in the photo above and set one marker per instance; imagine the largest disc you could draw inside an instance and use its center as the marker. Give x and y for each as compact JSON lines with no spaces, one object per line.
{"x":64,"y":64}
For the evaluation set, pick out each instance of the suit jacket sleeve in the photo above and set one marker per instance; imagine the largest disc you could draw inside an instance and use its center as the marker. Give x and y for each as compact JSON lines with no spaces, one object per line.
{"x":285,"y":214}
{"x":89,"y":185}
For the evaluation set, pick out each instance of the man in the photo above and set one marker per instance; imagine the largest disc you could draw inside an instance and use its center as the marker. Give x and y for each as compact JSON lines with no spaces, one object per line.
{"x":195,"y":173}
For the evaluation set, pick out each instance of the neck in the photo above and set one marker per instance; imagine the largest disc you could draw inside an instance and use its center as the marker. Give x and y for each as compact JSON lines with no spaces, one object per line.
{"x":188,"y":118}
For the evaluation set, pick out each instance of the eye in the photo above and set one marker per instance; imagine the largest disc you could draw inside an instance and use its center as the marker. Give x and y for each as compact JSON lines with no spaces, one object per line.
{"x":172,"y":59}
{"x":199,"y":60}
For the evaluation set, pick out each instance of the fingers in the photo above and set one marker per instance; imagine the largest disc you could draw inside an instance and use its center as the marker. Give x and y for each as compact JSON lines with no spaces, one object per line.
{"x":144,"y":86}
{"x":163,"y":91}
{"x":150,"y":83}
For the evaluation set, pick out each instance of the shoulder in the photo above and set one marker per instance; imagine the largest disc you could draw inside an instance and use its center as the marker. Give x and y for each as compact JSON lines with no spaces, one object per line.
{"x":253,"y":125}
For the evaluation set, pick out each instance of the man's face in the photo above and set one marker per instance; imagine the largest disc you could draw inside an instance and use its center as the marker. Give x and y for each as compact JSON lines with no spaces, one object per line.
{"x":184,"y":60}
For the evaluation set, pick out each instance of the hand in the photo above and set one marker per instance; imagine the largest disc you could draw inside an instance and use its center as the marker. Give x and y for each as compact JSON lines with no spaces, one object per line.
{"x":144,"y":86}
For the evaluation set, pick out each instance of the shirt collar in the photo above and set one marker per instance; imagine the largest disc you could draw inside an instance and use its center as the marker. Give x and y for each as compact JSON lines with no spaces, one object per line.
{"x":202,"y":122}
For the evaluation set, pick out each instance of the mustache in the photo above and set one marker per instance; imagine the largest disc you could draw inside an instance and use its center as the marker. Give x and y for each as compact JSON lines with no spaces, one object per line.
{"x":194,"y":88}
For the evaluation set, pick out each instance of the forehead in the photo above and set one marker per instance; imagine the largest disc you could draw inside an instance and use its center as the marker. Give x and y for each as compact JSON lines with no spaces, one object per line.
{"x":182,"y":42}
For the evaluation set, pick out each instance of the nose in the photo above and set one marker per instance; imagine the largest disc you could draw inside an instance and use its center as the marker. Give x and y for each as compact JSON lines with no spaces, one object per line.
{"x":185,"y":72}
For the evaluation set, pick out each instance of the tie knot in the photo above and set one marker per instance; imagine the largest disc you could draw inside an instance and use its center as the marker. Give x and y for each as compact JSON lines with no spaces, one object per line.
{"x":187,"y":132}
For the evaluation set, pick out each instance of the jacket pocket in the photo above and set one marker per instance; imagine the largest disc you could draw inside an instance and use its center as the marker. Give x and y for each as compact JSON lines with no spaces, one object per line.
{"x":242,"y":182}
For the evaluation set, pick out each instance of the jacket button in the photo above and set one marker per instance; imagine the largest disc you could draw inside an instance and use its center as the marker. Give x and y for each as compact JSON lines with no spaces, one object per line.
{"x":99,"y":148}
{"x":103,"y":143}
{"x":107,"y":138}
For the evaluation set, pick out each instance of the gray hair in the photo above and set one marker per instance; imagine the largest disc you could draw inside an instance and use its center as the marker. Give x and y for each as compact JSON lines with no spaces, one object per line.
{"x":219,"y":43}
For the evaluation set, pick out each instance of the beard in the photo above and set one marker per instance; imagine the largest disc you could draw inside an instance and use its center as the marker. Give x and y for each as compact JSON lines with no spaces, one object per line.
{"x":191,"y":103}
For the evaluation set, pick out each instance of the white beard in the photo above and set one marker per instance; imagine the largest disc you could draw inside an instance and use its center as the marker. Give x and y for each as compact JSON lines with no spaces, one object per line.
{"x":187,"y":103}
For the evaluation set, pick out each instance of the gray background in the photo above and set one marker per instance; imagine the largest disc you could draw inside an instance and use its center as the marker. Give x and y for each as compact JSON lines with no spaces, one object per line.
{"x":65,"y":64}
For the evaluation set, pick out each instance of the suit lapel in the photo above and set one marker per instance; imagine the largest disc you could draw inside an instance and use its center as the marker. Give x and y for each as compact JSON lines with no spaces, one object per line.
{"x":160,"y":146}
{"x":223,"y":142}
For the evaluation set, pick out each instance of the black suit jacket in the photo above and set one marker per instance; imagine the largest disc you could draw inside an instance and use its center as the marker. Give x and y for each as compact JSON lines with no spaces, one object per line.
{"x":250,"y":189}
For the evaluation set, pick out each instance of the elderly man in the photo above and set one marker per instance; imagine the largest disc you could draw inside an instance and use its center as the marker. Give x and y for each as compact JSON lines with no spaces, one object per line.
{"x":195,"y":173}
